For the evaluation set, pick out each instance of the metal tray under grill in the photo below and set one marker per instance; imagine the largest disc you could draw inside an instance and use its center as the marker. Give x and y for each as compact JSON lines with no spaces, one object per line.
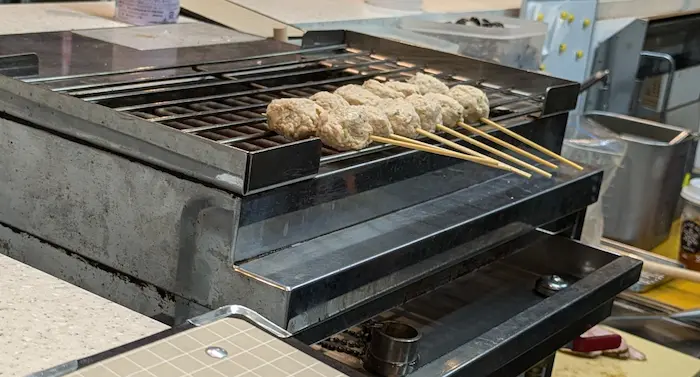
{"x":487,"y":323}
{"x":210,"y":115}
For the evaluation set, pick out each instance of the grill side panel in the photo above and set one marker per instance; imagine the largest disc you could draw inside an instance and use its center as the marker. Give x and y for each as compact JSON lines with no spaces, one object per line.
{"x":140,"y":221}
{"x":125,"y":134}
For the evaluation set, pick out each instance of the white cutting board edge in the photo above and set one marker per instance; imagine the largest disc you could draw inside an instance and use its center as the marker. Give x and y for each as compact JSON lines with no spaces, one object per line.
{"x":661,"y":361}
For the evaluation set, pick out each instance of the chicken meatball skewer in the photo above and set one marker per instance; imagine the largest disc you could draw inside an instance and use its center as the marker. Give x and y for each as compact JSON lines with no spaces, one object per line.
{"x":476,"y":108}
{"x":418,"y":115}
{"x":355,"y":127}
{"x":429,"y":109}
{"x":346,"y":128}
{"x":430,"y":115}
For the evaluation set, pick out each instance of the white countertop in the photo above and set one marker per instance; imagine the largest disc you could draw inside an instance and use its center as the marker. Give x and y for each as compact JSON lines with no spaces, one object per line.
{"x":307,"y":11}
{"x":46,"y":321}
{"x":33,"y":18}
{"x":44,"y":17}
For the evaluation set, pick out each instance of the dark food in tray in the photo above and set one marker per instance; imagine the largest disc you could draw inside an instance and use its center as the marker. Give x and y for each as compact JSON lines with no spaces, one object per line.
{"x":474,"y":21}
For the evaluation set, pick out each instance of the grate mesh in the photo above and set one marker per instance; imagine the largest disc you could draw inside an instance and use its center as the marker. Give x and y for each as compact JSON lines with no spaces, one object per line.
{"x":225,"y":101}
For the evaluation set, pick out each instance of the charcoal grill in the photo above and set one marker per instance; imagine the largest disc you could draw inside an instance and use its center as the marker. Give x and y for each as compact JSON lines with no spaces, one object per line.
{"x":160,"y":188}
{"x":224,"y":102}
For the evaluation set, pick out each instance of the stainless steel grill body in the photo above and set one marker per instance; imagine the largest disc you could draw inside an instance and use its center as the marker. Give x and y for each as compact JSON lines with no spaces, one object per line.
{"x":160,"y":188}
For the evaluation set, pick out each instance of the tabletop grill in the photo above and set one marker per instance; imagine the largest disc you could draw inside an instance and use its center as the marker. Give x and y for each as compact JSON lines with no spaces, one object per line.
{"x":167,"y":194}
{"x":227,"y":105}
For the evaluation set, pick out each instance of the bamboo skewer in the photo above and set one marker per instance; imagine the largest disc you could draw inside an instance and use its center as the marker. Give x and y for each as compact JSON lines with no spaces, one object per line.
{"x":447,"y":142}
{"x":499,"y":165}
{"x":507,"y":145}
{"x":660,"y":268}
{"x":531,"y":143}
{"x":464,"y":149}
{"x":495,"y":151}
{"x":434,"y":150}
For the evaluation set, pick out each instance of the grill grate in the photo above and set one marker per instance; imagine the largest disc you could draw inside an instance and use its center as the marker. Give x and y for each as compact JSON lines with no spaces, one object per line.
{"x":224,"y":101}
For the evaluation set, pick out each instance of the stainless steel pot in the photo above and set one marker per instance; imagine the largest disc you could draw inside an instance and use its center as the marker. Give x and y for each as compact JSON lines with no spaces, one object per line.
{"x":640,"y":204}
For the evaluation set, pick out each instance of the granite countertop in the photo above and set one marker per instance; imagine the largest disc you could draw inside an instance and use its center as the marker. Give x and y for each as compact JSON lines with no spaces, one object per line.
{"x":46,"y":321}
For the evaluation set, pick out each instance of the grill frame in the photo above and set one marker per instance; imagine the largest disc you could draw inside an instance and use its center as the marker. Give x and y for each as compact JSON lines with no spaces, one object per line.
{"x":236,"y":170}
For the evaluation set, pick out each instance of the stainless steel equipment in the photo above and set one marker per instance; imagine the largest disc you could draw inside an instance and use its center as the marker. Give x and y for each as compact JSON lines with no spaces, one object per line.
{"x":159,"y":187}
{"x":393,"y":349}
{"x":640,"y":204}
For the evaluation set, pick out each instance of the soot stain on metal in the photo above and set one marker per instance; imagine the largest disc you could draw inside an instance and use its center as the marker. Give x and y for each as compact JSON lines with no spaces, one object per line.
{"x":122,"y":276}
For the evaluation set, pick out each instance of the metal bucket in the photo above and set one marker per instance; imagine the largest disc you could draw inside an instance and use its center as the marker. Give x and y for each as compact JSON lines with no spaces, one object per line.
{"x":640,"y":204}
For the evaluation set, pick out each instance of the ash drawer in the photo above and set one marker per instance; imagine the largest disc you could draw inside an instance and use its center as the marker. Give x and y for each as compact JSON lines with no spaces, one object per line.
{"x":491,"y":322}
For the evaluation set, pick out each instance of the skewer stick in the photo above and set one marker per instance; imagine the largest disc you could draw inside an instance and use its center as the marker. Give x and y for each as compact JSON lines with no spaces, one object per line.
{"x":495,"y":151}
{"x":531,"y":143}
{"x":660,"y":268}
{"x":679,"y":137}
{"x":507,"y":145}
{"x":409,"y":140}
{"x":464,"y":149}
{"x":499,"y":165}
{"x":455,"y":146}
{"x":435,"y":150}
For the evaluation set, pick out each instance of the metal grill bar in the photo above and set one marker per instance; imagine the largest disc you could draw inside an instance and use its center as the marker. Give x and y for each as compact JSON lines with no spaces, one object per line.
{"x":208,"y":113}
{"x":214,"y":127}
{"x":281,"y":88}
{"x":197,"y":76}
{"x":219,"y":85}
{"x":227,"y":105}
{"x":213,"y":62}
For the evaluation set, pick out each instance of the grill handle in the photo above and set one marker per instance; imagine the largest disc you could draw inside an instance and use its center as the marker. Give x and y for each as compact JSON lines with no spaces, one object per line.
{"x":600,"y":76}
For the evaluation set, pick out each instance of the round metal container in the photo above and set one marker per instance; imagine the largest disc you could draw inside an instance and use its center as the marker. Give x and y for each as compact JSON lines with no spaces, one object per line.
{"x":393,"y":350}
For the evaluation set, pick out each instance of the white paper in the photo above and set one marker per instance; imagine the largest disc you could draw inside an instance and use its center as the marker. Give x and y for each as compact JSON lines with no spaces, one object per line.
{"x":147,"y":12}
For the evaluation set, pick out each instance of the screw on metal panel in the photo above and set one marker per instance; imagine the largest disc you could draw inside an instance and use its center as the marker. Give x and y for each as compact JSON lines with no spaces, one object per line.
{"x":543,"y":67}
{"x":586,"y":23}
{"x":579,"y":54}
{"x":562,"y":48}
{"x":548,"y":285}
{"x":564,"y":15}
{"x":216,"y":352}
{"x":540,"y":17}
{"x":571,"y":18}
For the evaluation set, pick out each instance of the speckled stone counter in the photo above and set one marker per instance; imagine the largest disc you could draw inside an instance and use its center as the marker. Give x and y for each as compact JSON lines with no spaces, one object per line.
{"x":46,"y":321}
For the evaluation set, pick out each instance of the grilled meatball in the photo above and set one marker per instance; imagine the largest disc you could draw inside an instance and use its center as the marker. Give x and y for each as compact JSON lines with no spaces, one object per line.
{"x":451,"y":110}
{"x":357,"y":95}
{"x":429,"y":111}
{"x":428,"y":84}
{"x":381,"y":90}
{"x":403,"y":87}
{"x":403,"y":117}
{"x":329,"y":101}
{"x":377,"y":120}
{"x":474,"y":101}
{"x":295,"y":118}
{"x":346,"y":129}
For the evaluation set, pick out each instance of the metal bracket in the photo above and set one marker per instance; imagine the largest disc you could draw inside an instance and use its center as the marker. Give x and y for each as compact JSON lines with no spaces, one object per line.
{"x":240,"y":311}
{"x":655,"y":70}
